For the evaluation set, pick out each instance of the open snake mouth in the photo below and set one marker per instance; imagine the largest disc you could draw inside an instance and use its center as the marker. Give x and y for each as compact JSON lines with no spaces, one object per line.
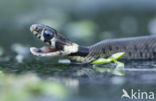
{"x":58,"y":44}
{"x":45,"y":51}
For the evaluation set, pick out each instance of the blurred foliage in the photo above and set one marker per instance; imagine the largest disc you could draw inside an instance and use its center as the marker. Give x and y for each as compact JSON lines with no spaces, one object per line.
{"x":27,"y":87}
{"x":81,"y":30}
{"x":1,"y":72}
{"x":84,"y":21}
{"x":1,"y":51}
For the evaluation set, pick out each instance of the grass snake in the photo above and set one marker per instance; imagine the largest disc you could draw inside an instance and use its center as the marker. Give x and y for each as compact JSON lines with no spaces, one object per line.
{"x":143,"y":47}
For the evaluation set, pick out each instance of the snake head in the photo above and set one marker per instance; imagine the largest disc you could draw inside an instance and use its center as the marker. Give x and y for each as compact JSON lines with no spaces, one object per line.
{"x":44,"y":33}
{"x":59,"y":45}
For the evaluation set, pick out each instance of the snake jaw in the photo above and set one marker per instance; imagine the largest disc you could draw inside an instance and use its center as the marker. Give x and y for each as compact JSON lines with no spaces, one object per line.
{"x":52,"y":52}
{"x":45,"y":51}
{"x":42,"y":32}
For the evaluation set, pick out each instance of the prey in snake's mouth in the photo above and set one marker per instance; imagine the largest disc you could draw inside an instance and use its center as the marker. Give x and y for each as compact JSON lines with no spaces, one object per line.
{"x":58,"y":45}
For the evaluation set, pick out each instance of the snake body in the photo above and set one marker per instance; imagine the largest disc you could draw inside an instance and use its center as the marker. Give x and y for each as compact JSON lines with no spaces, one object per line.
{"x":143,"y":47}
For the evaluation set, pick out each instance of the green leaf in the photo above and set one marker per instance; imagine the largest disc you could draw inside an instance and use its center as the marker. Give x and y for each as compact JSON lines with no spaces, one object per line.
{"x":102,"y":61}
{"x":112,"y":58}
{"x":119,"y":65}
{"x":117,"y":56}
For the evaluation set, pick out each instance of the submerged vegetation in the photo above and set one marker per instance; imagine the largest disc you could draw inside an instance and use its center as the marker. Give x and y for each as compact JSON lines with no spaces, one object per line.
{"x":29,"y":86}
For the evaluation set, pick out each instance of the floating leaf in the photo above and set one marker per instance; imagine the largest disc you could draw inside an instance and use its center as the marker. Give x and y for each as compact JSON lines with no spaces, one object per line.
{"x":112,"y":58}
{"x":117,"y":56}
{"x":101,"y":61}
{"x":119,"y":65}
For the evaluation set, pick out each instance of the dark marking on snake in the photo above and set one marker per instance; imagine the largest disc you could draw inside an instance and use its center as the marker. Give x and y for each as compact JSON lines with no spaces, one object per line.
{"x":135,"y":48}
{"x":130,"y":54}
{"x":146,"y":46}
{"x":47,"y":41}
{"x":39,"y":37}
{"x":110,"y":48}
{"x":117,"y":48}
{"x":82,"y":51}
{"x":154,"y":53}
{"x":104,"y":50}
{"x":141,"y":54}
{"x":58,"y":46}
{"x":36,"y":34}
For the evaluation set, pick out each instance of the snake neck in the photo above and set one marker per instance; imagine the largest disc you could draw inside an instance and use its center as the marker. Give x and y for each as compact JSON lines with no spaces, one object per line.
{"x":81,"y":55}
{"x":82,"y":51}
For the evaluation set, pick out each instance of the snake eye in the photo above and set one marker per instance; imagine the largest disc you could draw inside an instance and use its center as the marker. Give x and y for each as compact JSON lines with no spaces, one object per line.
{"x":48,"y":34}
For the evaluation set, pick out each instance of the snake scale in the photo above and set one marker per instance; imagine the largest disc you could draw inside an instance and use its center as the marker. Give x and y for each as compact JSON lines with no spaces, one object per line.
{"x":143,"y":47}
